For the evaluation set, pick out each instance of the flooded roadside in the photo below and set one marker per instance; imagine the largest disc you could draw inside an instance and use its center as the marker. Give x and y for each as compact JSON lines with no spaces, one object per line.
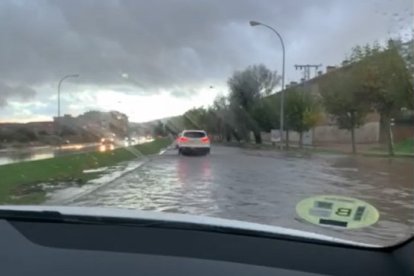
{"x":39,"y":153}
{"x":264,"y":187}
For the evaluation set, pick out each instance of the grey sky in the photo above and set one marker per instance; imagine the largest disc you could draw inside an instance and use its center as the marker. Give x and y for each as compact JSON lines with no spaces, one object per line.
{"x":176,"y":45}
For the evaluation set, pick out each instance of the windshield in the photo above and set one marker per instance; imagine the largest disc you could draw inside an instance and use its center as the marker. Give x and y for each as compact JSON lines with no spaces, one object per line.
{"x":304,"y":110}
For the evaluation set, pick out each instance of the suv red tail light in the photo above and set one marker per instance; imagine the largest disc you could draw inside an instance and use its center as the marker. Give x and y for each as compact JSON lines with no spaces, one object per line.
{"x":182,"y":139}
{"x":205,"y":140}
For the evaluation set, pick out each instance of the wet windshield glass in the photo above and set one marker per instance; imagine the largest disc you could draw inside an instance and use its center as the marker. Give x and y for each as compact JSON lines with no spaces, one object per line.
{"x":303,"y":111}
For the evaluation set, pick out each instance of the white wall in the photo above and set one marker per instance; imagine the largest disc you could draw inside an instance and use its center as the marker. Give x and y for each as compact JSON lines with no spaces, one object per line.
{"x":368,"y":133}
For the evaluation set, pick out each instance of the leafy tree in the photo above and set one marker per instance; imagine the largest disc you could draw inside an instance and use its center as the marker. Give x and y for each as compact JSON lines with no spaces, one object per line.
{"x":67,"y":131}
{"x":375,"y":48}
{"x":221,"y":112}
{"x":378,"y":79}
{"x":247,"y":87}
{"x":240,"y":122}
{"x":265,"y":114}
{"x":23,"y":135}
{"x":357,"y":53}
{"x":341,"y":96}
{"x":387,"y":85}
{"x":227,"y":119}
{"x":159,"y":129}
{"x":367,"y":50}
{"x":193,"y":118}
{"x":5,"y":135}
{"x":216,"y":119}
{"x":302,"y":111}
{"x":175,"y":125}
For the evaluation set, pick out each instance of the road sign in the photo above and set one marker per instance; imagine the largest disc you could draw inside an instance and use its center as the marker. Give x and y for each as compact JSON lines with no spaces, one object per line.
{"x":275,"y":135}
{"x":307,"y":138}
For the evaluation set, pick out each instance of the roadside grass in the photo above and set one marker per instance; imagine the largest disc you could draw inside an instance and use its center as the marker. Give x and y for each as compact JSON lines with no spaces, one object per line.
{"x":406,"y":146}
{"x":18,"y":181}
{"x":402,"y":149}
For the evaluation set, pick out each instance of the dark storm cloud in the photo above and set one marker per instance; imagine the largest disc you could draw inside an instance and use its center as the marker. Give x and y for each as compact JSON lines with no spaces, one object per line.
{"x":20,"y":92}
{"x":175,"y":43}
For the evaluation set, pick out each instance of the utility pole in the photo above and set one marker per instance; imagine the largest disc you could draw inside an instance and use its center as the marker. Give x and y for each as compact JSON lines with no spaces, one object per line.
{"x":58,"y":126}
{"x":306,"y":88}
{"x":307,"y":69}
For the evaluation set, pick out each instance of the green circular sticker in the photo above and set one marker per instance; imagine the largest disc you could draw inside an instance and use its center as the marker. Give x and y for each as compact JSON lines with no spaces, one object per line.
{"x":337,"y":211}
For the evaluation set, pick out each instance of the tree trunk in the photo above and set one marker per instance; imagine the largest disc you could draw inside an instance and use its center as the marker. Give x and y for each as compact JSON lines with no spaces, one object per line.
{"x":301,"y":140}
{"x":353,"y":139}
{"x":388,"y":135}
{"x":352,"y":113}
{"x":287,"y":139}
{"x":257,"y":137}
{"x":236,"y":135}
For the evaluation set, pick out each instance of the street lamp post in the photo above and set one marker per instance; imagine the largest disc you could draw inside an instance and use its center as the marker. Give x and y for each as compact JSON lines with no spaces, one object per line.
{"x":58,"y":115}
{"x":126,"y":77}
{"x":253,"y":24}
{"x":60,"y":84}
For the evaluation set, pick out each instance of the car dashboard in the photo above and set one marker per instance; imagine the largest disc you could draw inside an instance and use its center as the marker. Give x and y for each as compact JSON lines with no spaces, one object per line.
{"x":41,"y":246}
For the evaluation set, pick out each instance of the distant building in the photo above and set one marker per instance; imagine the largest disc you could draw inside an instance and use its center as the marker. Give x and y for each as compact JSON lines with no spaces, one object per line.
{"x":96,"y":123}
{"x":90,"y":126}
{"x":104,"y":122}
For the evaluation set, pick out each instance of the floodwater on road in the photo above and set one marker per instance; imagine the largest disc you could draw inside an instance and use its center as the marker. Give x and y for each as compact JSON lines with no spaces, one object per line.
{"x":265,"y":186}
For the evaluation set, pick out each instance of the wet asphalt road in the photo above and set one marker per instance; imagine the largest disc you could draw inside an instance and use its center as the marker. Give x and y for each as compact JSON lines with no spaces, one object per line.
{"x":265,"y":186}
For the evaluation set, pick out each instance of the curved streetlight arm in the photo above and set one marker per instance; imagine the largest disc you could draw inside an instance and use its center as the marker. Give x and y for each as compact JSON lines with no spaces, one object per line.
{"x":60,"y":84}
{"x":255,"y":23}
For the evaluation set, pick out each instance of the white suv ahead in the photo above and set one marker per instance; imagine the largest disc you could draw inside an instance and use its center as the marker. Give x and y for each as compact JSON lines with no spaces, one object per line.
{"x":193,"y":141}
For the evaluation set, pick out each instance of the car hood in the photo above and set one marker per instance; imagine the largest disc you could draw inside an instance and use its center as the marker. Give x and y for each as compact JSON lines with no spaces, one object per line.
{"x":199,"y":221}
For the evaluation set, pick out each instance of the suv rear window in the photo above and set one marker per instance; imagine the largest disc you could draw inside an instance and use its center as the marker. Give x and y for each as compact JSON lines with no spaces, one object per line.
{"x":194,"y":134}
